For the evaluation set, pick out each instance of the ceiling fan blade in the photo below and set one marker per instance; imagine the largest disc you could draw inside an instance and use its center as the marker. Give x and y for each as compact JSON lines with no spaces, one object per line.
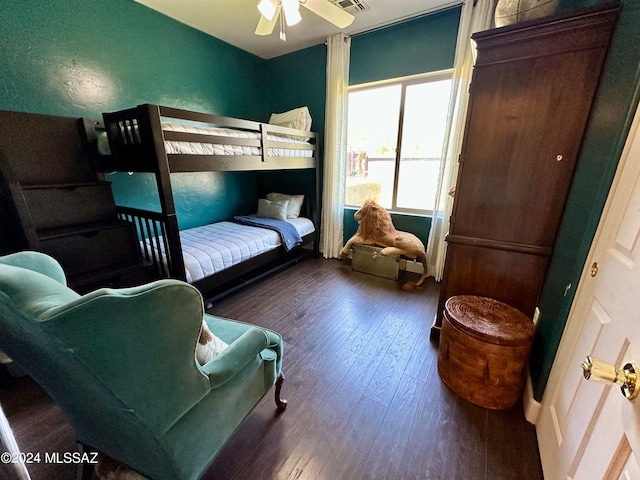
{"x":265,"y":27}
{"x":329,"y":12}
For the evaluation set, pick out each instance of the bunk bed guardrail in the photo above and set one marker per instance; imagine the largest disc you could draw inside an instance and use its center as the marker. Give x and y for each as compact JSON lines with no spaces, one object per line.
{"x":151,"y":228}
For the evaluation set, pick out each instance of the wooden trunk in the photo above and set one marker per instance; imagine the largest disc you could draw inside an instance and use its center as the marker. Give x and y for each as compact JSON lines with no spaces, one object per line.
{"x":368,"y":259}
{"x":484,"y":347}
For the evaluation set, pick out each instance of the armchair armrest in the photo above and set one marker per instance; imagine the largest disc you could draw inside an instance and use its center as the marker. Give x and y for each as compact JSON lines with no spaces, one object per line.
{"x":235,"y":357}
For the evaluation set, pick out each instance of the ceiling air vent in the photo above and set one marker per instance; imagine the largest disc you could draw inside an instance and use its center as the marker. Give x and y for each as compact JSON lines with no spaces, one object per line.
{"x":352,"y":6}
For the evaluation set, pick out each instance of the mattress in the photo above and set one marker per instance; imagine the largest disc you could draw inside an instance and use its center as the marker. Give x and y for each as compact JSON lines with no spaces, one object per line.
{"x":197,"y":148}
{"x":212,"y":248}
{"x":201,"y":148}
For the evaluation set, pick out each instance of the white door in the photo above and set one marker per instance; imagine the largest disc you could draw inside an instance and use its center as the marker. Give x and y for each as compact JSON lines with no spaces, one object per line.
{"x":587,"y":430}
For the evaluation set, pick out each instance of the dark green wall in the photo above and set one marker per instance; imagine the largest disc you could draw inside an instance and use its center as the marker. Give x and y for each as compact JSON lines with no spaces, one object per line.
{"x":608,"y":127}
{"x":418,"y":46}
{"x":419,"y":225}
{"x":294,"y":80}
{"x":81,"y":58}
{"x":200,"y":198}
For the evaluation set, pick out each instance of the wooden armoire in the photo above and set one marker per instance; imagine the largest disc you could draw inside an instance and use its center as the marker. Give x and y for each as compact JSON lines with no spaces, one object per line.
{"x":532,"y":88}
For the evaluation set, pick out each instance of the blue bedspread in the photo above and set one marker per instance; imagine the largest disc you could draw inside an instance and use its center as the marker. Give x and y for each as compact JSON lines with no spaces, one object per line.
{"x":288,"y":234}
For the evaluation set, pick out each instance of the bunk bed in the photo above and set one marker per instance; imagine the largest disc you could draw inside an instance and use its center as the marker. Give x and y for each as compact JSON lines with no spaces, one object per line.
{"x":163,"y":141}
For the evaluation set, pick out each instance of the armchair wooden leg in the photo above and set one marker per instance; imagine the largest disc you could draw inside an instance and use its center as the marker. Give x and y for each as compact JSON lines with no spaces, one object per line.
{"x":280,"y":402}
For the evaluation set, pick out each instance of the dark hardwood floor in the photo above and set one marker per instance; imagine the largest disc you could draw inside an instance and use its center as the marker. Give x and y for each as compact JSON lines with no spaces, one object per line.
{"x":365,"y":399}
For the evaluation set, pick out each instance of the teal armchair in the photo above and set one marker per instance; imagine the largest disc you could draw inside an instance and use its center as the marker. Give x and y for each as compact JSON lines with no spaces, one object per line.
{"x":121,"y":365}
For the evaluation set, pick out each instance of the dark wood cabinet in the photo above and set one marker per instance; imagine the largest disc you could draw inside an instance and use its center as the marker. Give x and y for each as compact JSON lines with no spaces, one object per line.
{"x":531,"y":94}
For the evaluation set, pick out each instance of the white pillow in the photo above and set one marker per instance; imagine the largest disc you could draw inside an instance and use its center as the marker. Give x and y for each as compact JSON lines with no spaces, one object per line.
{"x":298,"y":118}
{"x":209,"y":346}
{"x":103,"y":144}
{"x":272,"y":209}
{"x":295,"y":202}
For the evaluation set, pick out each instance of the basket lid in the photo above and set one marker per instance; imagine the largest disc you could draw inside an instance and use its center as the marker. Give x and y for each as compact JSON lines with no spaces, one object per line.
{"x":489,"y":320}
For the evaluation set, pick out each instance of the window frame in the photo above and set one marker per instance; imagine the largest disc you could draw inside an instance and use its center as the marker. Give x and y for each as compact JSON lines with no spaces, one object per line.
{"x":404,"y":82}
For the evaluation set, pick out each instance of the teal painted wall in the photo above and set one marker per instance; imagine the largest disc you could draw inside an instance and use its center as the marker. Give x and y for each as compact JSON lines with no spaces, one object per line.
{"x":417,"y":224}
{"x":609,"y":124}
{"x":294,"y":80}
{"x":82,"y":58}
{"x":200,"y":198}
{"x":418,"y":46}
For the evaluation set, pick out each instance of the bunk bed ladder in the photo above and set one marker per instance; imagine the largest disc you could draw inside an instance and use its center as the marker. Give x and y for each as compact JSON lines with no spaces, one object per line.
{"x":150,"y":126}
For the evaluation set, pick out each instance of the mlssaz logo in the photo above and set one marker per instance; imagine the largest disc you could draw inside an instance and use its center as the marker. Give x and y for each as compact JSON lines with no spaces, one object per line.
{"x":71,"y":457}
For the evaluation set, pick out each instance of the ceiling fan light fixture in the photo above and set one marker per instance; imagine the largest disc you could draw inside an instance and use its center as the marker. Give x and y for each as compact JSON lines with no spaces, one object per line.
{"x":267,"y":8}
{"x":291,"y":12}
{"x":325,"y":9}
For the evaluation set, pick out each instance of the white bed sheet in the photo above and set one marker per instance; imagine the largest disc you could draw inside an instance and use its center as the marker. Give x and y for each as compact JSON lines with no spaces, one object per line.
{"x":196,"y":148}
{"x":211,"y":248}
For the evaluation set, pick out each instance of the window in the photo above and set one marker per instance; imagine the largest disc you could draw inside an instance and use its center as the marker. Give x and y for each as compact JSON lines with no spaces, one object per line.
{"x":395,"y":138}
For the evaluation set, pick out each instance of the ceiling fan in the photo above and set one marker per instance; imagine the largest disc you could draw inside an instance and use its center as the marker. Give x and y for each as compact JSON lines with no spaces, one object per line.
{"x":270,"y":11}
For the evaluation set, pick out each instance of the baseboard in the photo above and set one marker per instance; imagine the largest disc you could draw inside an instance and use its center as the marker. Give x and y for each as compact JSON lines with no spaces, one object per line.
{"x":530,"y":404}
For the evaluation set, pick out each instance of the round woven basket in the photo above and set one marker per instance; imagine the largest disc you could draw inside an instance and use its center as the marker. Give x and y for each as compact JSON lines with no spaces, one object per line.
{"x":484,"y":348}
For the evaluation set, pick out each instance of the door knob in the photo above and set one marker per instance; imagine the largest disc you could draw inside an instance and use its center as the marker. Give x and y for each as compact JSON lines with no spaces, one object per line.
{"x":599,"y":371}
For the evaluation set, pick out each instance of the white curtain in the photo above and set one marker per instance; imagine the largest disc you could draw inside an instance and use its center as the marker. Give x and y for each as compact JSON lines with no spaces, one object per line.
{"x":8,"y":446}
{"x":475,"y":16}
{"x":335,"y":144}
